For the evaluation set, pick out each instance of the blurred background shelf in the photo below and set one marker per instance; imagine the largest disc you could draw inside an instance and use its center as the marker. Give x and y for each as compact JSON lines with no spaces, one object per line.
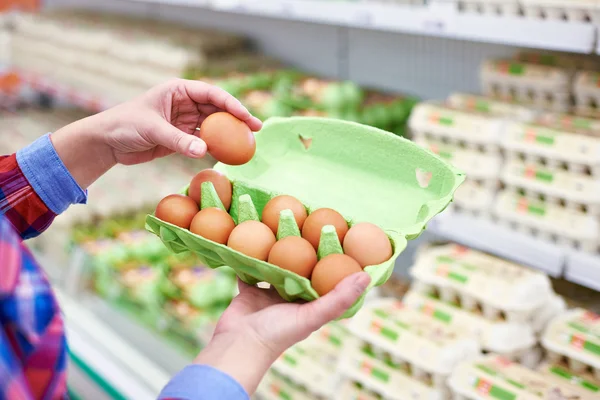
{"x":440,"y":19}
{"x":489,"y":236}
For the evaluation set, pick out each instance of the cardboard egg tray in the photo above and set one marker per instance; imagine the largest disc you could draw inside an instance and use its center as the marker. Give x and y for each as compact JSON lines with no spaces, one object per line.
{"x":490,"y":106}
{"x":561,"y":374}
{"x":460,"y":128}
{"x":536,"y":180}
{"x":498,"y":289}
{"x":376,"y":371}
{"x":494,"y":377}
{"x":513,"y":340}
{"x":505,"y":8}
{"x":276,"y":387}
{"x":573,"y":339}
{"x":586,"y":88}
{"x":540,"y":86}
{"x":574,"y":152}
{"x":559,"y":10}
{"x":551,"y":222}
{"x":428,"y":348}
{"x":343,"y":159}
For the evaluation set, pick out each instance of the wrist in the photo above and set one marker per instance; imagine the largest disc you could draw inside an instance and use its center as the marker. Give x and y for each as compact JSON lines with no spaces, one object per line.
{"x":82,"y":148}
{"x":240,"y":356}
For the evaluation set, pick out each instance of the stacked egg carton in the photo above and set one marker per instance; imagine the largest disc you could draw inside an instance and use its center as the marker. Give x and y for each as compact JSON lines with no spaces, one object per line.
{"x":307,"y":367}
{"x":467,"y":140}
{"x":505,"y":8}
{"x":113,"y":57}
{"x":561,"y":10}
{"x":504,"y":304}
{"x":495,"y":377}
{"x":572,"y":342}
{"x":586,"y":88}
{"x":399,"y":353}
{"x":540,"y":86}
{"x":551,"y":178}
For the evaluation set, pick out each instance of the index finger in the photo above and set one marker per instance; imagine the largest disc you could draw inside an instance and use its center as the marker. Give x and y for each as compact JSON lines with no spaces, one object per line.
{"x":204,"y":93}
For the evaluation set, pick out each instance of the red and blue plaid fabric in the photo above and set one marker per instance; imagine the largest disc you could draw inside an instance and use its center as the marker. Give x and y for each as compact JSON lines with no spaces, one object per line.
{"x":33,"y":355}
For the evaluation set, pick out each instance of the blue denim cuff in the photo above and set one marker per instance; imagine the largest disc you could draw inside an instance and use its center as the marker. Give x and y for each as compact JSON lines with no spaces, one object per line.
{"x":48,"y":176}
{"x":201,"y":382}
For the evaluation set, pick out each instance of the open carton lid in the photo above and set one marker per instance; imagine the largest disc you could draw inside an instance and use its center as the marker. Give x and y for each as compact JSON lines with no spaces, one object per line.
{"x":366,"y":174}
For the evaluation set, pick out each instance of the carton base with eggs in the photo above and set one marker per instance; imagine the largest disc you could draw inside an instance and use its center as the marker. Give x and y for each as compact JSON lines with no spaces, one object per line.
{"x":366,"y":174}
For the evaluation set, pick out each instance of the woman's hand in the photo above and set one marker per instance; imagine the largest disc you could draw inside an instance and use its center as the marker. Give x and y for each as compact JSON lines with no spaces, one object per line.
{"x":157,"y":123}
{"x":258,"y":326}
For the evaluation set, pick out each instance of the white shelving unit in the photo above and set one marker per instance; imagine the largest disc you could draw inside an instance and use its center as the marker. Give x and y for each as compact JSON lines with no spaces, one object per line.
{"x":490,"y":237}
{"x":439,"y":19}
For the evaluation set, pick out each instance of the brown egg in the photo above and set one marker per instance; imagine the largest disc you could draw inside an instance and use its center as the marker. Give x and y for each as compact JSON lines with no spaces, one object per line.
{"x":294,"y":254}
{"x":177,"y":209}
{"x":368,"y":244}
{"x":270,"y":214}
{"x":221,"y":183}
{"x":213,"y":224}
{"x":313,"y":224}
{"x":228,"y":139}
{"x":331,"y":270}
{"x":253,"y":239}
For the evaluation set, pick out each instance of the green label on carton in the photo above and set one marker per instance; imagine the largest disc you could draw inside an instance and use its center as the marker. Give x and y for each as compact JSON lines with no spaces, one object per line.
{"x":486,"y":388}
{"x":455,"y":276}
{"x":376,"y":373}
{"x":430,"y":310}
{"x":289,"y":359}
{"x":511,"y":68}
{"x":523,"y":206}
{"x":384,"y":331}
{"x":579,"y":342}
{"x":532,"y":135}
{"x":563,"y":373}
{"x":532,"y":173}
{"x":277,"y":391}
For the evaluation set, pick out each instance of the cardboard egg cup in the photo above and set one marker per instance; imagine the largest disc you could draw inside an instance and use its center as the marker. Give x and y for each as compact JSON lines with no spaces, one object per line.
{"x":490,"y":7}
{"x":575,"y":11}
{"x":366,"y":174}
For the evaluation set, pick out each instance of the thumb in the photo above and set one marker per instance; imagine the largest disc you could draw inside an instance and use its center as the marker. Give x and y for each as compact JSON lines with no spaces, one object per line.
{"x":189,"y":145}
{"x":331,"y":306}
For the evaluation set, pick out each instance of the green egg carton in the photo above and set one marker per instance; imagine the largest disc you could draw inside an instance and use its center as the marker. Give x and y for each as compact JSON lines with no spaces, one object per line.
{"x":364,"y":173}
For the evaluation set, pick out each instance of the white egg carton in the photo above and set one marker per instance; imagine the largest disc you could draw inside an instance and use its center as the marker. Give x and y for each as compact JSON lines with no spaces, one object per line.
{"x":428,"y":347}
{"x":587,"y":93}
{"x":540,"y":86}
{"x":516,"y":341}
{"x":354,"y":390}
{"x":551,"y":222}
{"x":275,"y":387}
{"x":562,"y":375}
{"x":573,"y":338}
{"x":468,"y":130}
{"x":557,"y":186}
{"x":375,"y":371}
{"x":576,"y":152}
{"x":494,"y":377}
{"x":491,"y":106}
{"x":562,"y":10}
{"x":477,"y":165}
{"x":557,"y":59}
{"x":502,"y":290}
{"x":506,"y":8}
{"x":570,"y":123}
{"x":476,"y":197}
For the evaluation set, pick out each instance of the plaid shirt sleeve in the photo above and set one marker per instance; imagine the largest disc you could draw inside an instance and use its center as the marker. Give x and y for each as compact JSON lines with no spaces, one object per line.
{"x":32,"y":341}
{"x":35,"y":186}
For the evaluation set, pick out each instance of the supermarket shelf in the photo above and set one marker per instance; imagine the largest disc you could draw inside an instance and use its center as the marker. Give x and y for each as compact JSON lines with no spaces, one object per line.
{"x":490,"y":237}
{"x":118,"y":365}
{"x":439,"y":18}
{"x":583,"y":269}
{"x":64,"y":93}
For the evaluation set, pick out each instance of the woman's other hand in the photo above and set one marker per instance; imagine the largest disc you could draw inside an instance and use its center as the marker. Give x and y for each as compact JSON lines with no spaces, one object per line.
{"x":259,"y":326}
{"x":159,"y":122}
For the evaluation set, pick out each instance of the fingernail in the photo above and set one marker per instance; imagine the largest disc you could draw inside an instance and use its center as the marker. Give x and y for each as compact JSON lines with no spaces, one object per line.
{"x":198,"y":148}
